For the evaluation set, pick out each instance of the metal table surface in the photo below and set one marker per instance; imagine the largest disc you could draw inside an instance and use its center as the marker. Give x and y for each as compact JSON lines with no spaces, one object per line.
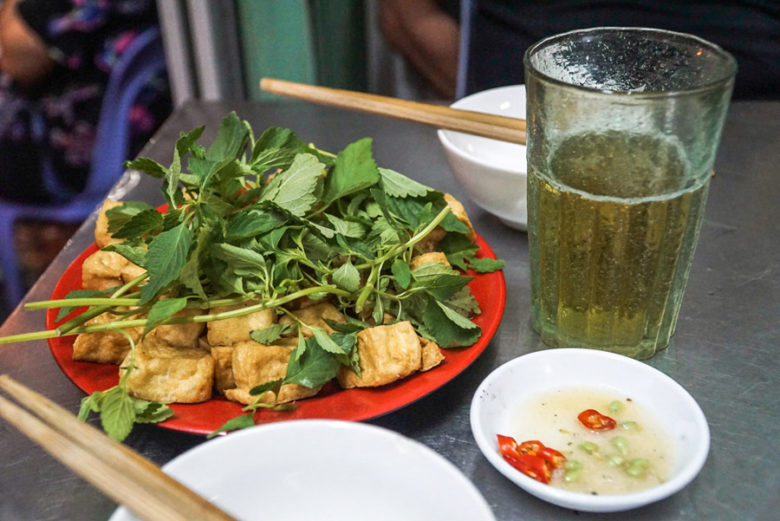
{"x":724,"y":352}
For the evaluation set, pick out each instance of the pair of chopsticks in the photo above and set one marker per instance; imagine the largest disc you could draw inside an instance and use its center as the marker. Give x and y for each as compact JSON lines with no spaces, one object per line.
{"x":123,"y":475}
{"x":487,"y":125}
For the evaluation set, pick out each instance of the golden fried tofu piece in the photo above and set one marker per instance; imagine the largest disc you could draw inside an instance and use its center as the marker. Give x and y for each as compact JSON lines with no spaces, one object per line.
{"x":131,"y":271}
{"x":387,"y":354}
{"x":255,"y":364}
{"x":102,"y":237}
{"x":233,"y":330}
{"x":315,"y":316}
{"x":223,"y":368}
{"x":431,"y":241}
{"x":181,"y":335}
{"x":431,"y":354}
{"x":102,"y":270}
{"x":460,"y":213}
{"x":170,"y":374}
{"x":105,"y":347}
{"x":425,"y":258}
{"x":107,"y":269}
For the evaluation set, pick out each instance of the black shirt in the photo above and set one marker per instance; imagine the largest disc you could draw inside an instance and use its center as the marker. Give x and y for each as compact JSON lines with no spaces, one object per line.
{"x":503,"y":29}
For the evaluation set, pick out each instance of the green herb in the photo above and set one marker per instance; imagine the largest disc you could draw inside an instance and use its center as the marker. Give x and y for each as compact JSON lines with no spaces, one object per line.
{"x":264,"y":222}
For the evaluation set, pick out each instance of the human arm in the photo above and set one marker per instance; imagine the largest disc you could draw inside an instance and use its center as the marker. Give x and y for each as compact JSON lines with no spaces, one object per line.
{"x":427,"y":36}
{"x":23,"y":54}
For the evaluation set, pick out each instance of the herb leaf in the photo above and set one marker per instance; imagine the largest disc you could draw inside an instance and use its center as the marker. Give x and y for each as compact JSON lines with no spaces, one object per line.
{"x":354,"y":170}
{"x":294,"y":189}
{"x":117,"y":413}
{"x":239,"y":422}
{"x":167,"y":254}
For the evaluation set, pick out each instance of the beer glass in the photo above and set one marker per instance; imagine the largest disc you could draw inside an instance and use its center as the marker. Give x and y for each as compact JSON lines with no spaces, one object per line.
{"x":623,"y":126}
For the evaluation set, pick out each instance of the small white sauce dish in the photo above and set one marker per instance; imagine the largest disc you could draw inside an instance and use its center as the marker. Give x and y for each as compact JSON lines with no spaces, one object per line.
{"x":492,"y":172}
{"x":498,"y":396}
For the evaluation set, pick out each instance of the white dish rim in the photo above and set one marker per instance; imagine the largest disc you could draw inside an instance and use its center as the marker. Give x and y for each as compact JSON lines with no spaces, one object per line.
{"x":315,"y":425}
{"x":446,"y":141}
{"x":585,"y":502}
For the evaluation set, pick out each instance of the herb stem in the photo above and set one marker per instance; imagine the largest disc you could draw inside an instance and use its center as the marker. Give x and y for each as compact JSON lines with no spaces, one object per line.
{"x":79,"y":302}
{"x":399,"y":248}
{"x":210,"y":317}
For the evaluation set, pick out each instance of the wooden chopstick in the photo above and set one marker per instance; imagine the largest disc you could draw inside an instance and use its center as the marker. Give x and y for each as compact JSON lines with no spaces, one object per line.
{"x":487,"y":125}
{"x":123,"y":475}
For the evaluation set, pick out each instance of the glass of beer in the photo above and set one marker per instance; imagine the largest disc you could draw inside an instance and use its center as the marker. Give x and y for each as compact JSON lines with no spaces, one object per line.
{"x":623,"y":126}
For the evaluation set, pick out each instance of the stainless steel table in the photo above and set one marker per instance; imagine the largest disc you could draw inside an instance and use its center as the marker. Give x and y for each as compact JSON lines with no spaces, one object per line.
{"x":724,"y":351}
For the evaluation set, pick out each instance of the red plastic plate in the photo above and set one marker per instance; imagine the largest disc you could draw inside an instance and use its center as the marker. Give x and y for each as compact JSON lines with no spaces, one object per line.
{"x":332,"y":403}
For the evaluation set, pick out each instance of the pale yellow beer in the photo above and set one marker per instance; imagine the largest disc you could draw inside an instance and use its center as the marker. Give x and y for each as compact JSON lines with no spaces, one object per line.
{"x":620,"y":219}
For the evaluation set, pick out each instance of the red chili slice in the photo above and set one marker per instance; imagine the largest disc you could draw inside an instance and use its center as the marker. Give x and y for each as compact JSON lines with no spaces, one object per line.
{"x":531,"y":447}
{"x":531,"y":457}
{"x":552,"y":456}
{"x":532,"y":466}
{"x":595,"y":421}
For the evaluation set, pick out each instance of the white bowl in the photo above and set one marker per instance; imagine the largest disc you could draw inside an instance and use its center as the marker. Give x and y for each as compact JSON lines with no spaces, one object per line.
{"x":326,"y":470}
{"x":492,"y":172}
{"x":496,"y":399}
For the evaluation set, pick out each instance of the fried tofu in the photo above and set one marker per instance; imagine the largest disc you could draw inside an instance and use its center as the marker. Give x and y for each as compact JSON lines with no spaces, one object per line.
{"x":431,"y":241}
{"x":102,"y":237}
{"x":107,"y":269}
{"x":387,"y":354}
{"x":315,"y":316}
{"x":130,"y":271}
{"x":170,"y":374}
{"x":460,"y":213}
{"x":223,"y":368}
{"x":181,"y":335}
{"x":102,"y":270}
{"x":255,"y":364}
{"x":431,"y":354}
{"x":105,"y":347}
{"x":425,"y":258}
{"x":233,"y":330}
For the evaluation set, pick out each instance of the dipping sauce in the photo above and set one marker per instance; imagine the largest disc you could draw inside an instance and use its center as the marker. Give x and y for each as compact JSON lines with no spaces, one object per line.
{"x":635,"y":455}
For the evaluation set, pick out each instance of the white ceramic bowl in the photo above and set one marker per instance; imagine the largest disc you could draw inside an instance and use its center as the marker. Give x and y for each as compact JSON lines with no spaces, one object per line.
{"x":496,"y":399}
{"x":493,"y":173}
{"x":326,"y":470}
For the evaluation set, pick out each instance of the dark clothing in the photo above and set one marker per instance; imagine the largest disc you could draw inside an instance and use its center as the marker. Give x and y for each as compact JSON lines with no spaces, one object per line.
{"x":502,"y":30}
{"x":57,"y":120}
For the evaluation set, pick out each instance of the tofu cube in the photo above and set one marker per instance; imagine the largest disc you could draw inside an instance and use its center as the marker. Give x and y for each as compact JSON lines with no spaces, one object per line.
{"x":105,"y":347}
{"x":102,"y":237}
{"x":431,"y":354}
{"x":315,"y":316}
{"x":425,"y":258}
{"x":460,"y":213}
{"x":255,"y":364}
{"x":223,"y":368}
{"x":181,"y":335}
{"x":233,"y":330}
{"x":387,"y":354}
{"x":107,"y":269}
{"x":170,"y":374}
{"x":102,"y":270}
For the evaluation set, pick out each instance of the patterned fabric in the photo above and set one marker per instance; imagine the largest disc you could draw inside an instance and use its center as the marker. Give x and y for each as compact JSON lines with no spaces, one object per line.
{"x":58,"y":119}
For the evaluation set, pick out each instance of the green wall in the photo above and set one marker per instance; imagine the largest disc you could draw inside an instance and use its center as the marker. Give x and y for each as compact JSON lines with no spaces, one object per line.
{"x":310,"y":41}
